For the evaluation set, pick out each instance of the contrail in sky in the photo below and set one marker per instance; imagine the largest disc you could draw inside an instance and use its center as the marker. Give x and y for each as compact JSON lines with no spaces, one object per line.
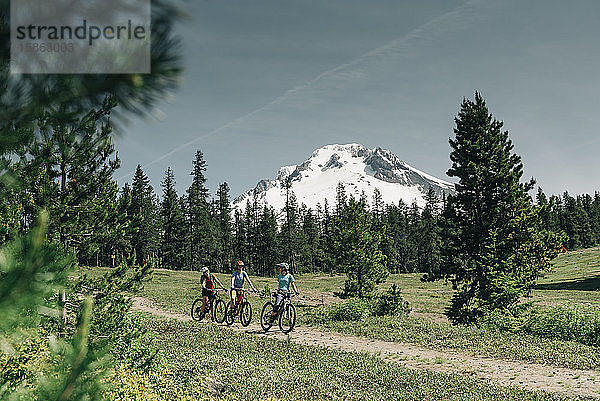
{"x":394,"y":45}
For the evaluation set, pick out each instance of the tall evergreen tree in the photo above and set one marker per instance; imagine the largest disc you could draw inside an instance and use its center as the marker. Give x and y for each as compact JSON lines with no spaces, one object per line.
{"x":378,"y":208}
{"x":327,"y":241}
{"x":67,"y":169}
{"x":240,"y":245}
{"x":201,"y":228}
{"x":172,"y":246}
{"x":39,"y":269}
{"x":309,"y":240}
{"x":595,"y":217}
{"x":290,"y":230}
{"x":429,"y":237}
{"x":341,"y":199}
{"x":495,"y":250}
{"x":224,"y":228}
{"x":267,"y":255}
{"x":251,"y":222}
{"x":357,"y":250}
{"x":145,"y":217}
{"x":122,"y":244}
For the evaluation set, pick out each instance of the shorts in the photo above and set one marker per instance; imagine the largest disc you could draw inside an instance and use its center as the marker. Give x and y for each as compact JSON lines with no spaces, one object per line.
{"x":279,"y":299}
{"x":208,"y":293}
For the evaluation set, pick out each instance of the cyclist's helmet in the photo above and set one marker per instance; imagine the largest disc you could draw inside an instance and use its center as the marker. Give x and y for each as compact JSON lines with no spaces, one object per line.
{"x":239,"y":263}
{"x":204,"y":269}
{"x":283,"y":266}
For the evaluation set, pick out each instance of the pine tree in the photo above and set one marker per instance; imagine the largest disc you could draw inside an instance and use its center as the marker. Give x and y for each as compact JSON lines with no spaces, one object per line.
{"x":122,"y":244}
{"x":240,"y":246}
{"x":429,"y":237}
{"x":224,"y":228}
{"x":73,"y":365}
{"x":252,"y":221}
{"x":585,"y":202}
{"x":67,"y":169}
{"x":12,"y":211}
{"x":595,"y":217}
{"x":27,"y":96}
{"x":201,"y":228}
{"x":357,"y":250}
{"x":341,"y":198}
{"x":378,"y":208}
{"x":173,"y":225}
{"x":267,"y":255}
{"x":544,"y":205}
{"x":494,"y":251}
{"x":290,"y":230}
{"x":327,"y":241}
{"x":413,"y":217}
{"x":145,"y":218}
{"x":397,"y":248}
{"x":309,"y":240}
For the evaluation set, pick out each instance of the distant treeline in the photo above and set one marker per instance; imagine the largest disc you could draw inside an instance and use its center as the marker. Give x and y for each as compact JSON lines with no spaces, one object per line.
{"x":71,"y":175}
{"x":578,"y":217}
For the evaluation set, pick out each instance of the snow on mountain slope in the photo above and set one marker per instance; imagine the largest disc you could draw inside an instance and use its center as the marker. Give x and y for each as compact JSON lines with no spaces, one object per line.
{"x":359,"y":169}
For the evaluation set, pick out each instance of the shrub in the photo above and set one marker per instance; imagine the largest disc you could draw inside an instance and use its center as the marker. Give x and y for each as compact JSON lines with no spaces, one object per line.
{"x":390,"y":303}
{"x":353,"y":309}
{"x":357,"y":309}
{"x":567,"y":322}
{"x":130,"y":384}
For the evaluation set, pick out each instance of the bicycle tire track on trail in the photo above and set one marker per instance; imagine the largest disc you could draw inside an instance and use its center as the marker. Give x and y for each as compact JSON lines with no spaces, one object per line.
{"x":531,"y":376}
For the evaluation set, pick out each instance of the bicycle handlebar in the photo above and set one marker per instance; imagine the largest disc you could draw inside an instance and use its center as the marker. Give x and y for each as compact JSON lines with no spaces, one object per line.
{"x":243,"y":289}
{"x":289,"y":294}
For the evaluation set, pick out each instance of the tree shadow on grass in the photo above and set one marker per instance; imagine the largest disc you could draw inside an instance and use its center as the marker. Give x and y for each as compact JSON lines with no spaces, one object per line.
{"x":588,"y":284}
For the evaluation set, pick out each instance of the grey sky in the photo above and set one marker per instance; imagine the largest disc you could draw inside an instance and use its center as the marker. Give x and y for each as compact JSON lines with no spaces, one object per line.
{"x":267,"y":82}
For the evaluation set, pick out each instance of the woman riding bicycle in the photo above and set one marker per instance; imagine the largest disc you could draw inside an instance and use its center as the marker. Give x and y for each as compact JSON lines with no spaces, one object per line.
{"x":237,"y":282}
{"x":285,"y":279}
{"x":207,"y":281}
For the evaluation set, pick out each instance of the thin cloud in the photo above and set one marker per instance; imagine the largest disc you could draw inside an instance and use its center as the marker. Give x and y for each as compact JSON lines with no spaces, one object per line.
{"x":449,"y":21}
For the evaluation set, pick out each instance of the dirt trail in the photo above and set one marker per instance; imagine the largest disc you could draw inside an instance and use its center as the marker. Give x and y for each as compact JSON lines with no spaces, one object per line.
{"x":531,"y":376}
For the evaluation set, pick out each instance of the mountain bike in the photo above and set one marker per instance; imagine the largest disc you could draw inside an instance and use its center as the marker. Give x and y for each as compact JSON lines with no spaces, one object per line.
{"x":241,"y":307}
{"x":286,"y":314}
{"x":215,"y":305}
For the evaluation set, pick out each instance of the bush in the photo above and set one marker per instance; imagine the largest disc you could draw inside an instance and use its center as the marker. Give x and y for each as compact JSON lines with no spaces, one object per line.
{"x":130,"y":384}
{"x":390,"y":303}
{"x":567,"y":322}
{"x":357,"y":309}
{"x":353,"y":309}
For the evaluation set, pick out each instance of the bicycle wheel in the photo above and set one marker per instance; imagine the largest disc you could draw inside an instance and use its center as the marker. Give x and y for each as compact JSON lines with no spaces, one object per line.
{"x":219,"y":311}
{"x":265,"y":316}
{"x":229,"y":314}
{"x":196,"y":308}
{"x":287,"y":318}
{"x":245,"y":313}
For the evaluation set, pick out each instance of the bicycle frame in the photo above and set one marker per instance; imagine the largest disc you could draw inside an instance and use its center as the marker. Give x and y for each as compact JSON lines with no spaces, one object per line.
{"x":210,"y":303}
{"x":269,"y":316}
{"x":240,"y":296}
{"x":286,"y":300}
{"x":212,"y":300}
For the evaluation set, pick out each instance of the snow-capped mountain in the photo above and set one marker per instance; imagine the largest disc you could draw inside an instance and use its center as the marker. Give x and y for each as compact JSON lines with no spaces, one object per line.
{"x":359,"y":169}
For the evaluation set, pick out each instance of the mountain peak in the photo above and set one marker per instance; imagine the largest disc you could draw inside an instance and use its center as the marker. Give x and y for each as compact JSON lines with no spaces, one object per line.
{"x":358,"y":168}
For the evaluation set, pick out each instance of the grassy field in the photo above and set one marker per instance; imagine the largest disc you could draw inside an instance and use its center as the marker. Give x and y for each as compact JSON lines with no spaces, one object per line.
{"x":251,"y":367}
{"x":244,"y":366}
{"x":575,"y":278}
